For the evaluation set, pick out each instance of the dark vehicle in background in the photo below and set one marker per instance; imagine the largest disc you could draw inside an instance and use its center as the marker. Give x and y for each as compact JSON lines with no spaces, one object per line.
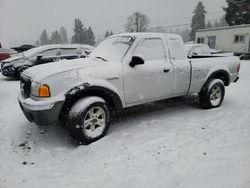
{"x":23,"y":48}
{"x":15,"y":65}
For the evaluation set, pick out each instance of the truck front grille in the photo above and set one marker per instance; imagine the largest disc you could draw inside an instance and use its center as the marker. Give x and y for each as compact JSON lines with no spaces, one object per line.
{"x":25,"y":85}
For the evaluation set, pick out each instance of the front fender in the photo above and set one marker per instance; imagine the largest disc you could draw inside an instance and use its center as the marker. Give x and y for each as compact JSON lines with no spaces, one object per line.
{"x":86,"y":89}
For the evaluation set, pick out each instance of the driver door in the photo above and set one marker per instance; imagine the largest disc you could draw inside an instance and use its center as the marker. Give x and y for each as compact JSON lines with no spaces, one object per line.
{"x":152,"y":80}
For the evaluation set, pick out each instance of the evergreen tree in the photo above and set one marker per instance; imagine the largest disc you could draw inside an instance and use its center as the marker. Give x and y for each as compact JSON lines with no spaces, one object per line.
{"x":223,"y":22}
{"x":216,"y":24}
{"x":185,"y":34}
{"x":137,"y":22}
{"x":108,"y":34}
{"x":209,"y":25}
{"x":237,"y":12}
{"x":55,"y":38}
{"x":63,"y":34}
{"x":44,"y":38}
{"x":90,"y":37}
{"x":37,"y":43}
{"x":79,"y":32}
{"x":198,"y":20}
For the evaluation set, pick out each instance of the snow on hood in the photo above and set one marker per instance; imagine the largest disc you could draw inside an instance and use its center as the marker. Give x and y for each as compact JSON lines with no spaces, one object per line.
{"x":39,"y":72}
{"x":13,"y":58}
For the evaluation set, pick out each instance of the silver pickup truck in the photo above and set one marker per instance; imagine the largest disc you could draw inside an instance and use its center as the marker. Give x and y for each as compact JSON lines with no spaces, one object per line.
{"x":125,"y":70}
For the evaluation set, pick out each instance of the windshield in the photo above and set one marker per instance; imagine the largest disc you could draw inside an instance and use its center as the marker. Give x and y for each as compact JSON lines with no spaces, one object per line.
{"x":113,"y":48}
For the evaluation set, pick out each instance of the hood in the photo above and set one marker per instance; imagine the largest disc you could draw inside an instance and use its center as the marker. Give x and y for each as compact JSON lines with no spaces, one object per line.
{"x":39,"y":72}
{"x":13,"y":58}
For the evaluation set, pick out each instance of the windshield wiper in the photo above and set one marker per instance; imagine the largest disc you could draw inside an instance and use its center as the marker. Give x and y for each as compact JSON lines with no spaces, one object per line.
{"x":101,"y":58}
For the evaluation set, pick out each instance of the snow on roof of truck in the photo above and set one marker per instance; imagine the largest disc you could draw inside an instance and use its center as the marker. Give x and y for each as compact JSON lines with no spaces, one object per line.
{"x":144,"y":34}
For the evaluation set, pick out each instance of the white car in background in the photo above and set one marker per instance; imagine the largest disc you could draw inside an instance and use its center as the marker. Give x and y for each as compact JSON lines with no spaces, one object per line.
{"x":15,"y":65}
{"x":197,"y":49}
{"x":204,"y":50}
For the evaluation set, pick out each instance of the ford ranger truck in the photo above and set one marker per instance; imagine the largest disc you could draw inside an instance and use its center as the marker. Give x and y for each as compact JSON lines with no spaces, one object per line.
{"x":125,"y":70}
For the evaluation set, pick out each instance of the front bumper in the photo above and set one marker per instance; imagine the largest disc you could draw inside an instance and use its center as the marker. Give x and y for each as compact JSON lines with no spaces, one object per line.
{"x":41,"y":112}
{"x":9,"y":71}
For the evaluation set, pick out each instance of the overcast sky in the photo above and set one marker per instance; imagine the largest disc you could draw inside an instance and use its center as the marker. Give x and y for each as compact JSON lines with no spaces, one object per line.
{"x":22,"y":21}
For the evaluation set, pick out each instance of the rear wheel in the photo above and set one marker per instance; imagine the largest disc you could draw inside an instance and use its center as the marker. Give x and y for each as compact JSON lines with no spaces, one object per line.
{"x":89,"y":119}
{"x":212,"y":94}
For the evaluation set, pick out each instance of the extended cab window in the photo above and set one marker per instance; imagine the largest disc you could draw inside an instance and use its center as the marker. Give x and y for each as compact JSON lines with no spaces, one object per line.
{"x":177,"y":49}
{"x":151,"y":49}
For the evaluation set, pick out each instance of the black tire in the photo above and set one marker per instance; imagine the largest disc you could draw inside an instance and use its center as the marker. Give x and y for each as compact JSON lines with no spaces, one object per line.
{"x":212,"y":94}
{"x":81,"y":123}
{"x":20,"y":71}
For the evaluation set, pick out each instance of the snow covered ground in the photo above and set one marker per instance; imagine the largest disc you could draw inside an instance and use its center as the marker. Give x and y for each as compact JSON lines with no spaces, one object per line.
{"x":171,"y":144}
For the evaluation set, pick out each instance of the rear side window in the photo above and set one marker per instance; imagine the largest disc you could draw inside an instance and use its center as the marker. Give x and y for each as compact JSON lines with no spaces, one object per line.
{"x":178,"y":52}
{"x":70,"y":51}
{"x":151,"y":49}
{"x":52,"y":52}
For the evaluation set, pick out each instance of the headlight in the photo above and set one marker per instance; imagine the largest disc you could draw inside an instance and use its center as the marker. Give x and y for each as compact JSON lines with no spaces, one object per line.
{"x":35,"y":89}
{"x":40,"y":90}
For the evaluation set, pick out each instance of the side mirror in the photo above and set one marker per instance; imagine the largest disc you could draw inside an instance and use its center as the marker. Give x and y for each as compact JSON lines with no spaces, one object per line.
{"x":137,"y":60}
{"x":39,"y":56}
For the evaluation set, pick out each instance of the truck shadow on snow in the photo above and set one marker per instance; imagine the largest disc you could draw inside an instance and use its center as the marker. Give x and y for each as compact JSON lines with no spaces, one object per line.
{"x":8,"y":79}
{"x":168,"y":107}
{"x":56,"y":136}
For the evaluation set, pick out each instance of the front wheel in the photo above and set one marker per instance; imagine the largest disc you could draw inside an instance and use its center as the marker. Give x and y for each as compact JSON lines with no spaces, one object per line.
{"x":20,"y":70}
{"x":89,"y":119}
{"x":212,"y":94}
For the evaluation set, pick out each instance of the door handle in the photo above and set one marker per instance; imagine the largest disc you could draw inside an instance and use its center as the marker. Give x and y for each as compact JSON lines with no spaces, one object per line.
{"x":166,"y":70}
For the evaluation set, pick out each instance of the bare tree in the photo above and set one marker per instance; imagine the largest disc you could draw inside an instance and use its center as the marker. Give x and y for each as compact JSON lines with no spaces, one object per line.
{"x":137,"y":22}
